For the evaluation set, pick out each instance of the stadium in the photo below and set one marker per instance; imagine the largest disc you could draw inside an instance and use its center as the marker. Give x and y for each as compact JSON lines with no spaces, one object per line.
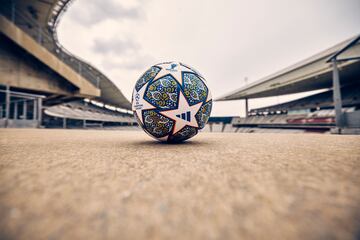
{"x":74,"y":165}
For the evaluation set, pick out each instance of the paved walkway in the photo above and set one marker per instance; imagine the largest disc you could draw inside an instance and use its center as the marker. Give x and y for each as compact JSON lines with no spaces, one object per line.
{"x":82,"y":184}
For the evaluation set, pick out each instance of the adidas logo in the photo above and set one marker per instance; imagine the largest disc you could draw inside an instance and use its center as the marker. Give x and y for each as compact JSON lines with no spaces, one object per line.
{"x":185,"y":116}
{"x":172,"y":68}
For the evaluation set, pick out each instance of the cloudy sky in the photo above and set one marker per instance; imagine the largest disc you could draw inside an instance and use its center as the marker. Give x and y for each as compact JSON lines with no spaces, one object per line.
{"x":227,"y":41}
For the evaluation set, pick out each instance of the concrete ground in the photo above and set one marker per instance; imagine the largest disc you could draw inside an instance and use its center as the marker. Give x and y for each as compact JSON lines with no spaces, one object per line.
{"x":82,"y":184}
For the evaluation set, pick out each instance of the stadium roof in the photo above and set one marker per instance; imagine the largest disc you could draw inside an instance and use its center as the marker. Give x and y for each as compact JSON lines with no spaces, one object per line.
{"x":34,"y":17}
{"x":310,"y":74}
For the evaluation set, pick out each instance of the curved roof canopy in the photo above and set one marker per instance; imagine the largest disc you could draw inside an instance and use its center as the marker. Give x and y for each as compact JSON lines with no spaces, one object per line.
{"x":310,"y":74}
{"x":35,"y":16}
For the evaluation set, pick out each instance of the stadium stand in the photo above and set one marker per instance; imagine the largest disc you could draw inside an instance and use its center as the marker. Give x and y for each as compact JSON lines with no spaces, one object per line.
{"x":350,"y":97}
{"x":38,"y":72}
{"x":309,"y":112}
{"x":85,"y":114}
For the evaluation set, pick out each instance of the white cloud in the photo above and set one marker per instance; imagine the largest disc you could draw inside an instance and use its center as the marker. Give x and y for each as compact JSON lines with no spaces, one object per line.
{"x":115,"y":46}
{"x":95,"y":11}
{"x":225,"y":40}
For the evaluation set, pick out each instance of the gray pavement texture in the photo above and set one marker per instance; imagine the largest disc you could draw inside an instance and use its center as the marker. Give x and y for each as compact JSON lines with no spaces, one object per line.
{"x":83,"y":184}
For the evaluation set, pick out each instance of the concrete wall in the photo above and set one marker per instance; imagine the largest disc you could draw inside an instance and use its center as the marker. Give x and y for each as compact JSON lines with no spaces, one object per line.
{"x":19,"y":123}
{"x":39,"y":52}
{"x":20,"y":69}
{"x":352,"y":119}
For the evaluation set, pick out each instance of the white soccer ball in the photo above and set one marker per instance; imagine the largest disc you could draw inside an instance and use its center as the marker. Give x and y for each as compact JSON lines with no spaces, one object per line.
{"x":171,"y":102}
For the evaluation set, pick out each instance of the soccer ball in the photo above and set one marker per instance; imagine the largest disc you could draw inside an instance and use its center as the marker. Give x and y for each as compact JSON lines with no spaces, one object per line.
{"x":171,"y":102}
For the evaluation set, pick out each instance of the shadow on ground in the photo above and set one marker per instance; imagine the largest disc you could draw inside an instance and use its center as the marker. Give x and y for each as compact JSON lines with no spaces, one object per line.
{"x":152,"y":143}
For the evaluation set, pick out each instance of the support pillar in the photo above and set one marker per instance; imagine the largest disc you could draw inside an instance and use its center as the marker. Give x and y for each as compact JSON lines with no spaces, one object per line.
{"x":246,"y":108}
{"x":15,"y":110}
{"x":39,"y":111}
{"x":339,"y":118}
{"x":64,"y":123}
{"x":7,"y":105}
{"x":25,"y":110}
{"x":34,"y":109}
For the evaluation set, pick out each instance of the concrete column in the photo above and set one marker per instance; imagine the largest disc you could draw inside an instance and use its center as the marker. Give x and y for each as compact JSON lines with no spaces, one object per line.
{"x":34,"y":109}
{"x":246,"y":108}
{"x":16,"y":110}
{"x":39,"y":111}
{"x":84,"y":123}
{"x":64,"y":123}
{"x":337,"y":96}
{"x":25,"y":110}
{"x":7,"y":105}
